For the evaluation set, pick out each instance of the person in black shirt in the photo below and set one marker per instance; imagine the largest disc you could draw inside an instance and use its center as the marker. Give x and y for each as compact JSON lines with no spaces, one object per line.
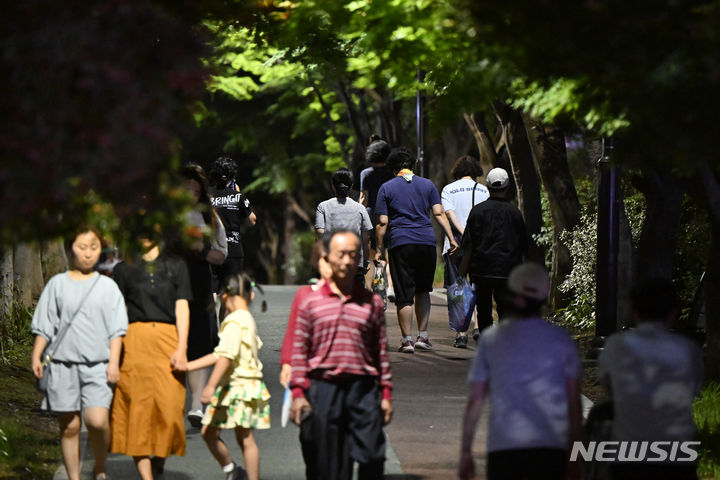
{"x":235,"y":212}
{"x":147,"y":413}
{"x":371,"y":179}
{"x":494,"y":242}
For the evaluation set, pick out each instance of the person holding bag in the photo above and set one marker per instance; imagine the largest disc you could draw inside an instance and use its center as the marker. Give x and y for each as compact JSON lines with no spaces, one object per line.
{"x":81,"y":319}
{"x":458,"y":198}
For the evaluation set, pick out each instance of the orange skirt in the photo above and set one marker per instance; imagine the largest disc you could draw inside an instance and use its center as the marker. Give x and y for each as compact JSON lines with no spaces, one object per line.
{"x":148,"y":408}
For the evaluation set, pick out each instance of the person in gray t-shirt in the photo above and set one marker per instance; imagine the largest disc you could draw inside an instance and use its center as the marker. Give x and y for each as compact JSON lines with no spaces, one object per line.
{"x":653,"y":375}
{"x":530,"y":369}
{"x":343,"y":213}
{"x":86,"y":359}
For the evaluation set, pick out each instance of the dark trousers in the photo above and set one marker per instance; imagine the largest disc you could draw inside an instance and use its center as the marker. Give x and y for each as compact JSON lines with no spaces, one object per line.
{"x":485,"y":290}
{"x":345,"y":425}
{"x":527,"y":464}
{"x":632,"y":471}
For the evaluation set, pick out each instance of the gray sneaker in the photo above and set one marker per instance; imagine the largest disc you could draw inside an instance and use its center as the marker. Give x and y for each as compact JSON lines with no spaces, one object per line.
{"x":423,"y":343}
{"x":407,"y":347}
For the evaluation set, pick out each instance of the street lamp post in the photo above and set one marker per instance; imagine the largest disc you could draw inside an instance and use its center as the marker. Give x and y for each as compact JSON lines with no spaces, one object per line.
{"x":607,"y":243}
{"x":420,"y":119}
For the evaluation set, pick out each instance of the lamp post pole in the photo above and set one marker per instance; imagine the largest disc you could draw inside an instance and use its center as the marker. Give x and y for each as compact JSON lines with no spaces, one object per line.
{"x":607,"y":243}
{"x":420,"y":119}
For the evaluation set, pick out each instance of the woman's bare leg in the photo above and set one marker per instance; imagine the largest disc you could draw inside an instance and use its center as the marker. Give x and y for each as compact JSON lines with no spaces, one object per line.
{"x":70,"y":443}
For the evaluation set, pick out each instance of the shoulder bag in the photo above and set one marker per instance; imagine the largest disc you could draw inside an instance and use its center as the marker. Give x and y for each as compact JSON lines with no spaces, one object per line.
{"x":42,"y":382}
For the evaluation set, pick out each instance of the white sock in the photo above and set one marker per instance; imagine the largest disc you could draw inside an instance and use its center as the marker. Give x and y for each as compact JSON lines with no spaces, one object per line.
{"x":229,"y":467}
{"x":406,"y":338}
{"x":423,"y":334}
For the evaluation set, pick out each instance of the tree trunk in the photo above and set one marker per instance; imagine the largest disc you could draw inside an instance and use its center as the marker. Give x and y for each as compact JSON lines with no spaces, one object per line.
{"x":485,"y":145}
{"x":444,"y":150}
{"x":28,"y":273}
{"x":626,"y":268}
{"x":526,"y":177}
{"x":551,"y":155}
{"x":53,"y":258}
{"x":712,"y":305}
{"x":662,"y":220}
{"x":7,"y":284}
{"x":288,"y":250}
{"x":711,"y":187}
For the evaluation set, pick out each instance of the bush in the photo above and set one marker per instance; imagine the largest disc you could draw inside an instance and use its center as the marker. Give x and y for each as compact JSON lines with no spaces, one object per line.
{"x":15,"y":329}
{"x":706,"y":411}
{"x":582,"y":243}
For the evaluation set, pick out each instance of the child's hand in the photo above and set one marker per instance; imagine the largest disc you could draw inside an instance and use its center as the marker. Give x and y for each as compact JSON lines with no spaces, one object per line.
{"x":207,"y":394}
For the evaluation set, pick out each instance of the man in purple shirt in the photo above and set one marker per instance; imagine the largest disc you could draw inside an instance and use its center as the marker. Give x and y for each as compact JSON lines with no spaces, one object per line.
{"x":402,"y":206}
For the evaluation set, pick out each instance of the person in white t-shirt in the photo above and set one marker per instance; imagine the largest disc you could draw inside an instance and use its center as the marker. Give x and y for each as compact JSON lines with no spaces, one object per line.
{"x":530,"y":370}
{"x":458,"y":198}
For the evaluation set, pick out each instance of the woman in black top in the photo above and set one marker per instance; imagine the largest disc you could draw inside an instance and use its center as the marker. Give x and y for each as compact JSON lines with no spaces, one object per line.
{"x":147,"y":414}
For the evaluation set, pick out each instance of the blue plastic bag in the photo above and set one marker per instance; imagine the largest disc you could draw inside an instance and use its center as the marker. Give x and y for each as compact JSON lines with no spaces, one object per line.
{"x":461,"y":299}
{"x":461,"y":303}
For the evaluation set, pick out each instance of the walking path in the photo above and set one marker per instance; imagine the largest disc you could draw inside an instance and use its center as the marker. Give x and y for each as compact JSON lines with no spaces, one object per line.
{"x":429,"y":399}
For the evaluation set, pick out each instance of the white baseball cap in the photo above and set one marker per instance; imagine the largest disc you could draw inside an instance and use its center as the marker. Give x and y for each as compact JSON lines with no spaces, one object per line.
{"x":530,"y":280}
{"x":497,"y":179}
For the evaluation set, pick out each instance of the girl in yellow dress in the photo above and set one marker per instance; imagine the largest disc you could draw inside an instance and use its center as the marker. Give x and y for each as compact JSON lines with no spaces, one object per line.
{"x":236,"y":393}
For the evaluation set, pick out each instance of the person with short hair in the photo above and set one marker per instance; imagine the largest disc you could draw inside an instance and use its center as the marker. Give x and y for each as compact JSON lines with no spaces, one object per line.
{"x":403,"y":206}
{"x":343,"y":213}
{"x":530,"y":370}
{"x":85,"y":363}
{"x":341,"y":381}
{"x":653,"y":375}
{"x":494,"y":242}
{"x":371,"y":179}
{"x":203,"y":334}
{"x":458,"y":198}
{"x":235,"y":211}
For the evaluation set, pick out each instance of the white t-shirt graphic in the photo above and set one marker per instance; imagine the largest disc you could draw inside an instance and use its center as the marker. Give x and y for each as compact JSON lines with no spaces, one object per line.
{"x":457,"y":196}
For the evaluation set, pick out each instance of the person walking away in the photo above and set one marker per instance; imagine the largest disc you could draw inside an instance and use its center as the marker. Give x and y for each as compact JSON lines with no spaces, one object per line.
{"x":653,"y":374}
{"x":530,"y":369}
{"x":494,"y":242}
{"x":458,"y":198}
{"x":89,"y":309}
{"x":210,"y":249}
{"x":403,"y":206}
{"x":343,"y":213}
{"x":341,"y":381}
{"x":371,"y":179}
{"x":319,"y":264}
{"x":236,"y":395}
{"x":236,"y":214}
{"x":147,"y":413}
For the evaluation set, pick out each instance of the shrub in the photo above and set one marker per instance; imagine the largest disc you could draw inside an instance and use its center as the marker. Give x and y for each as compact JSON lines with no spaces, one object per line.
{"x":706,"y":411}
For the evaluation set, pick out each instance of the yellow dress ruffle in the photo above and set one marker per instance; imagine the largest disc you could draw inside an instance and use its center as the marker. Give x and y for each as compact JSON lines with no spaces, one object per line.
{"x":241,"y":404}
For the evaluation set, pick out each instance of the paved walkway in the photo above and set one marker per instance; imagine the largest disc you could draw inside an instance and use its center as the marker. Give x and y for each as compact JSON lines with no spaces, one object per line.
{"x":429,"y":399}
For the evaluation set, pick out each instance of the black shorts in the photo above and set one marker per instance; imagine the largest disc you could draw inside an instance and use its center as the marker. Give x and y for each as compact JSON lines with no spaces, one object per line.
{"x":413,"y":270}
{"x":230,"y":265}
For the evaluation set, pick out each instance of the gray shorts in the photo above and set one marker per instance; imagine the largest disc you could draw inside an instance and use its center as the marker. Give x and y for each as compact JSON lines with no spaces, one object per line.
{"x":74,"y":386}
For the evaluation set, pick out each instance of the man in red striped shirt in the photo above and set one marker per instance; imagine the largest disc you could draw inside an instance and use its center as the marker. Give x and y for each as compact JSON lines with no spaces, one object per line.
{"x":340,"y":380}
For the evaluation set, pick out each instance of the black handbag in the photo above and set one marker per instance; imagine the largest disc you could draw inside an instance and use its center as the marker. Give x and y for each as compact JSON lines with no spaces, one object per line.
{"x":42,"y":382}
